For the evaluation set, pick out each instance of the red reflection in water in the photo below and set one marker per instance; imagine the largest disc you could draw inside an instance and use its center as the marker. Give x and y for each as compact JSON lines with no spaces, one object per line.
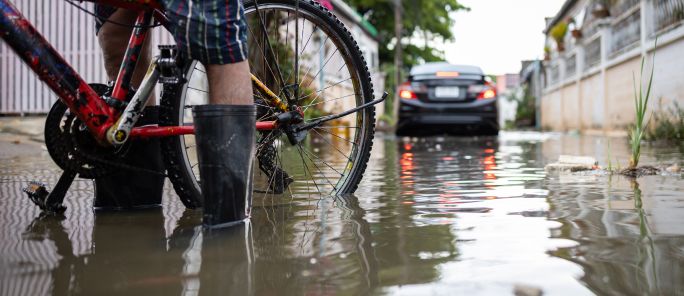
{"x":489,"y":165}
{"x":406,"y":163}
{"x":406,"y":174}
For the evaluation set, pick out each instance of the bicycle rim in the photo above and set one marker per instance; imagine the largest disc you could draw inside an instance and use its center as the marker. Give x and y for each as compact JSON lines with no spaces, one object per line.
{"x":332,"y":78}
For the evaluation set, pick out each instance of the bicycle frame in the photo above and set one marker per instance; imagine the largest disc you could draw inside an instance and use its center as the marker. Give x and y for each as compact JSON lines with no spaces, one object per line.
{"x":71,"y":89}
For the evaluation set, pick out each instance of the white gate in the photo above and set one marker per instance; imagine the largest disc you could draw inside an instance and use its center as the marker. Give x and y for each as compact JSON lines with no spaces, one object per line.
{"x":72,"y":33}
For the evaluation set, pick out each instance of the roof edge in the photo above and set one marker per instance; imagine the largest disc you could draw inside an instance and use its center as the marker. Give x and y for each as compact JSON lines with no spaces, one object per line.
{"x":350,"y":13}
{"x":559,"y":16}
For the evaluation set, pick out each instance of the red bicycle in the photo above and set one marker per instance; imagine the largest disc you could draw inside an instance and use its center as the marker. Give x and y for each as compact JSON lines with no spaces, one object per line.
{"x":313,"y":92}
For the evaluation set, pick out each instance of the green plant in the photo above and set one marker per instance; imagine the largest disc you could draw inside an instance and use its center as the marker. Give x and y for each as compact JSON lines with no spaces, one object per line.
{"x":641,"y":105}
{"x":610,"y":162}
{"x":667,"y":125}
{"x":558,"y":33}
{"x":387,"y":119}
{"x":525,"y":110}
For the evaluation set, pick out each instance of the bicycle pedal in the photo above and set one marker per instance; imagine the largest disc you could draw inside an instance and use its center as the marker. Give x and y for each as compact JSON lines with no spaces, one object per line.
{"x":37,"y":193}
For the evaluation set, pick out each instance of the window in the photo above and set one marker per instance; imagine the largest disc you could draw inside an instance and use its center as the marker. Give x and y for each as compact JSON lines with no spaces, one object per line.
{"x":592,"y":54}
{"x":570,"y":65}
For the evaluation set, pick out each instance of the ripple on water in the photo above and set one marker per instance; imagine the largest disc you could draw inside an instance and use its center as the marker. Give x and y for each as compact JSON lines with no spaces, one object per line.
{"x":436,"y":215}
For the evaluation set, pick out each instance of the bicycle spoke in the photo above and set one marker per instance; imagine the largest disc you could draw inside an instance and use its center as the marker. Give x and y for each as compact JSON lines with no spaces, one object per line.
{"x":296,"y":61}
{"x":336,"y":126}
{"x":322,"y":161}
{"x":262,"y":51}
{"x":322,"y":68}
{"x":317,"y":168}
{"x":333,"y":85}
{"x":338,"y":149}
{"x":197,"y":89}
{"x":307,"y":42}
{"x":329,"y":132}
{"x":322,"y":102}
{"x":306,"y":168}
{"x":270,"y":47}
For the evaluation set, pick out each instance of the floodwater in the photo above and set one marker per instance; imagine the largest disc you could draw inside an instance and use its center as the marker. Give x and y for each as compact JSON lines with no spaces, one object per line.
{"x":433,"y":216}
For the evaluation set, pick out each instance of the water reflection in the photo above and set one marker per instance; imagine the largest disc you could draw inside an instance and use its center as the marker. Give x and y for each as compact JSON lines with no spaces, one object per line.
{"x":432,"y":216}
{"x":623,"y":249}
{"x":130,"y":252}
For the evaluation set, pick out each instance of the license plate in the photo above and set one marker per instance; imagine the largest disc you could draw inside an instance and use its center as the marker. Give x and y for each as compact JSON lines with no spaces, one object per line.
{"x":447,"y":92}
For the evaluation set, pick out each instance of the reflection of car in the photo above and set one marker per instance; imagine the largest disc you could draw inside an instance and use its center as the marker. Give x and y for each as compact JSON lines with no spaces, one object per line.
{"x":449,"y":99}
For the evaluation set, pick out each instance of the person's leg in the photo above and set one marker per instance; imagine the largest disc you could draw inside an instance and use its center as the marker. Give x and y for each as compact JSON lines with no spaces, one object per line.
{"x":230,"y":84}
{"x":114,"y":39}
{"x":129,"y":189}
{"x":214,"y":32}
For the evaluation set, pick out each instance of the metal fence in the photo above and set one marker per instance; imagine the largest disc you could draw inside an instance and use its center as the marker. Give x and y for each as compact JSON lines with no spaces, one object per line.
{"x":626,"y":31}
{"x":570,"y":65}
{"x":667,"y":14}
{"x":72,"y":33}
{"x":592,"y":55}
{"x":620,"y":7}
{"x":553,"y":74}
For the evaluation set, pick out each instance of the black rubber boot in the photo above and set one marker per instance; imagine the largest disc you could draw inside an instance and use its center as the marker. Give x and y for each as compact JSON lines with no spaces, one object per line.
{"x":133,"y":189}
{"x":225,"y":150}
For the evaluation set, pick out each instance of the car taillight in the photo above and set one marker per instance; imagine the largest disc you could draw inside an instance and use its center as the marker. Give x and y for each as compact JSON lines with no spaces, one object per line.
{"x":488,"y":92}
{"x":406,"y":92}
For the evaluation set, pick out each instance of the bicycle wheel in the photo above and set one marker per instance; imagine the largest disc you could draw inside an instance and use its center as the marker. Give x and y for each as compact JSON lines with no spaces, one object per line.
{"x":308,"y":56}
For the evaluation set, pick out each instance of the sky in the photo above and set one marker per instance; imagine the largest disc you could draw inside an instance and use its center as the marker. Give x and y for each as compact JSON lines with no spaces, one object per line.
{"x":497,"y":34}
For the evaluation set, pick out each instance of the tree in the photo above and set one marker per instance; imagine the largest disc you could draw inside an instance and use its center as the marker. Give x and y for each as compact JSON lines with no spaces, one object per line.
{"x":423,"y":21}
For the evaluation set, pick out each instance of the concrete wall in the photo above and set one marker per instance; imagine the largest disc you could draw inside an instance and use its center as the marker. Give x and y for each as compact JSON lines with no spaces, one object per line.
{"x":619,"y":95}
{"x":605,"y":101}
{"x":601,"y":98}
{"x":590,"y":100}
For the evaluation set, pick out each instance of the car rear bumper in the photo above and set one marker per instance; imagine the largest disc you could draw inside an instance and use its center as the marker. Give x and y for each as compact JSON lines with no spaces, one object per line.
{"x":482,"y":113}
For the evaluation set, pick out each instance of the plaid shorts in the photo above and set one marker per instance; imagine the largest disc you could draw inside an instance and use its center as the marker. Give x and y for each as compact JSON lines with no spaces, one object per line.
{"x":210,"y":31}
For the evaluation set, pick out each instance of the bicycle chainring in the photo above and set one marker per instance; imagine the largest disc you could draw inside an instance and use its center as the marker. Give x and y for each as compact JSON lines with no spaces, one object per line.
{"x":72,"y":147}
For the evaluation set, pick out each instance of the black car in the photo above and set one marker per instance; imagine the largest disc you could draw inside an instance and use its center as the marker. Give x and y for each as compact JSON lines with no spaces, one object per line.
{"x":446,"y":98}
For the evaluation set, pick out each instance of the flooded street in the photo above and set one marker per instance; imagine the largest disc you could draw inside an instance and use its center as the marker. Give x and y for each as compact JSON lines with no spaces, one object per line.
{"x":432,"y":216}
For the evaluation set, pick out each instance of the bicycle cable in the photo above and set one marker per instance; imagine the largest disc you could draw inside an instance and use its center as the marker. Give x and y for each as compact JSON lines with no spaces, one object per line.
{"x":104,"y":20}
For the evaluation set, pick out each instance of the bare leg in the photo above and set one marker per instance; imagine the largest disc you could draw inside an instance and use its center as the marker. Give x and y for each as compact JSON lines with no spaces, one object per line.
{"x":230,"y":84}
{"x":114,"y":41}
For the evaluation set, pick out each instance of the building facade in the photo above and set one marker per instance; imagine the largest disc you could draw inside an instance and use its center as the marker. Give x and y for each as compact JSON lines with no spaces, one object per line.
{"x":588,"y":78}
{"x":72,"y":33}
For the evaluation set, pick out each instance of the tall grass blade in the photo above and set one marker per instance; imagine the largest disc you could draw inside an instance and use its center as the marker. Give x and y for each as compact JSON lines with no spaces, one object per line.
{"x":641,"y":106}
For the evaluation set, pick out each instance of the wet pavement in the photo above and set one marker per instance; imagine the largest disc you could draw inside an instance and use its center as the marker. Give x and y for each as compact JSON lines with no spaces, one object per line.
{"x":433,"y":216}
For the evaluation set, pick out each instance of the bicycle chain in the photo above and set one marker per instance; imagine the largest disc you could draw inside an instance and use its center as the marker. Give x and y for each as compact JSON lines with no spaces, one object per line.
{"x":278,"y":178}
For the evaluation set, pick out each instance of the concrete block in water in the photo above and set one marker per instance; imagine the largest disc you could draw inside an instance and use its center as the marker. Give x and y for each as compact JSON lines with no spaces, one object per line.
{"x":570,"y":163}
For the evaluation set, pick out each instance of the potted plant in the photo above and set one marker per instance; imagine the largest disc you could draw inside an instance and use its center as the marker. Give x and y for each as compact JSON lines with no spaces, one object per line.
{"x":575,"y":31}
{"x":547,"y":53}
{"x":558,"y":33}
{"x":600,"y":8}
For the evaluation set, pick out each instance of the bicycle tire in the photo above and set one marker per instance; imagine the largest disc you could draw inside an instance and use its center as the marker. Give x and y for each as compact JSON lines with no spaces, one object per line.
{"x":174,"y":110}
